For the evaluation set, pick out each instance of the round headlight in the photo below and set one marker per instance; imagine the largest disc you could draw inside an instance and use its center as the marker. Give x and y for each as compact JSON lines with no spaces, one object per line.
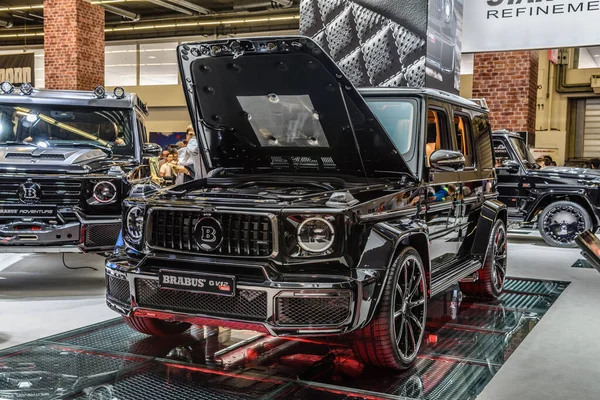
{"x":134,"y":223}
{"x":104,"y":192}
{"x":316,"y":235}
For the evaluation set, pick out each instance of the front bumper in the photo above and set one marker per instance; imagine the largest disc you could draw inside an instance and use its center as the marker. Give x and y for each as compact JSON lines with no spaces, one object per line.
{"x":83,"y":236}
{"x":308,"y":305}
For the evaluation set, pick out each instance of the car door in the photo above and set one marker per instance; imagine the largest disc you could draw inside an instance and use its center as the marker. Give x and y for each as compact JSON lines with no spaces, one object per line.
{"x":510,"y":180}
{"x":440,"y":190}
{"x":478,"y":180}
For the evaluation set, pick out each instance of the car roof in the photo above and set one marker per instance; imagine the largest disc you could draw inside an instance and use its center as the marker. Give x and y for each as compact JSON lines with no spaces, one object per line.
{"x":83,"y":98}
{"x":505,"y":132}
{"x":428,"y":92}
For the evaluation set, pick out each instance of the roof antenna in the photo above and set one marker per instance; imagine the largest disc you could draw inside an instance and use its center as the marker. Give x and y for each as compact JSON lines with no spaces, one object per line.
{"x":362,"y":163}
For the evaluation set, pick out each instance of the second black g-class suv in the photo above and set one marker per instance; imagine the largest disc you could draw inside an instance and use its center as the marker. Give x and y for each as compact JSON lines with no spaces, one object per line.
{"x":328,"y":210}
{"x":67,"y":161}
{"x":562,"y":202}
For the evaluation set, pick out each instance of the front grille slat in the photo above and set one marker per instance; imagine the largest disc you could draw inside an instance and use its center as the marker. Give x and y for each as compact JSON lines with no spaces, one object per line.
{"x":243,"y":235}
{"x":246,"y":304}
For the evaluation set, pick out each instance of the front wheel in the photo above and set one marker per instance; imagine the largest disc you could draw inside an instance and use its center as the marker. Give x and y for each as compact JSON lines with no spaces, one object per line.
{"x":394,"y":336}
{"x":561,"y":222}
{"x":156,"y":327}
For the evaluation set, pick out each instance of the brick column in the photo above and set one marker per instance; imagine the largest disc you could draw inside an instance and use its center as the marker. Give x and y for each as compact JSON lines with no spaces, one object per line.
{"x":508,"y":81}
{"x":73,"y":44}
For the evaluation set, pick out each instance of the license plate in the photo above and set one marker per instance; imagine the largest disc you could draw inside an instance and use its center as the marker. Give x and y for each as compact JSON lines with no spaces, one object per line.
{"x":21,"y":211}
{"x":197,"y":282}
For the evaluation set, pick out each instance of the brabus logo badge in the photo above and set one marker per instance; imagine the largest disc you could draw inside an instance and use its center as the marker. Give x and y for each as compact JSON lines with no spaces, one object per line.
{"x":29,"y":192}
{"x":208,"y":233}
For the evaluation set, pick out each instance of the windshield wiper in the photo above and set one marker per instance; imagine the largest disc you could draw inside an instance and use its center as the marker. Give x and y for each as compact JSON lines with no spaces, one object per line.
{"x":91,"y":144}
{"x":17,"y":143}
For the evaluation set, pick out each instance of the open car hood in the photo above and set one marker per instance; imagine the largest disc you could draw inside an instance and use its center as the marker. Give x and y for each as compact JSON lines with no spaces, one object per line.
{"x":281,"y":104}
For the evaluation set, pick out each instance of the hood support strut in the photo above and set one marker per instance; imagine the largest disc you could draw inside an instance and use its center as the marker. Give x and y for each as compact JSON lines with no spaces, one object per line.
{"x":362,"y":162}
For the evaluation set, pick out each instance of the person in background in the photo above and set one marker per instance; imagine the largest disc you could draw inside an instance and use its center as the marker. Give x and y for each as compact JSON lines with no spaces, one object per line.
{"x":549,"y":160}
{"x":542,"y":162}
{"x":166,"y":170}
{"x":190,"y":158}
{"x":595,"y":163}
{"x":163,"y":157}
{"x":553,"y":164}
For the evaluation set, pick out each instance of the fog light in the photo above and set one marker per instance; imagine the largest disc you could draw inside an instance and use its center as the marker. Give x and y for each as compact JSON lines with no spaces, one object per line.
{"x":100,"y":92}
{"x":119,"y":92}
{"x":7,"y":87}
{"x":26,"y":88}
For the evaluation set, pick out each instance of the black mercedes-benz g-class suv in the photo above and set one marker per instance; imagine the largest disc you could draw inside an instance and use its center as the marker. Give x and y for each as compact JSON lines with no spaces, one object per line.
{"x":67,"y":161}
{"x":562,"y":202}
{"x":327,"y":211}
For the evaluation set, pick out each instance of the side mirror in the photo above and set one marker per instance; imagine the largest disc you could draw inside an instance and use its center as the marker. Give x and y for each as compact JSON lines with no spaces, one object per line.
{"x":151,"y":150}
{"x":510,"y":165}
{"x":447,"y":161}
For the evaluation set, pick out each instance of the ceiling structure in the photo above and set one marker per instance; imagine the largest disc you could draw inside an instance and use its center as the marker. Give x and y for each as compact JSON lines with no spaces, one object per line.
{"x":22,"y":21}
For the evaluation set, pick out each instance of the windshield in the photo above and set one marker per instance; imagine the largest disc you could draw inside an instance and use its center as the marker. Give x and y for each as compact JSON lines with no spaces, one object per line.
{"x":48,"y":126}
{"x":398,"y":119}
{"x":523,"y":153}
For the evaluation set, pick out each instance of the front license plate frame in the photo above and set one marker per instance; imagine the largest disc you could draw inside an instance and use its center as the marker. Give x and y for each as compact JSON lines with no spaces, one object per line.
{"x":215,"y":284}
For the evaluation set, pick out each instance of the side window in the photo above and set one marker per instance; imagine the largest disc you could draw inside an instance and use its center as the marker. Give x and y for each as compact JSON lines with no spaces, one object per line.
{"x":501,"y":152}
{"x":438,"y":137}
{"x":462,"y":125}
{"x":482,"y":135}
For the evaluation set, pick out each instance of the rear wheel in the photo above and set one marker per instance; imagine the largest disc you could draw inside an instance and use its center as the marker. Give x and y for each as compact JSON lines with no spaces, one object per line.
{"x":561,"y":222}
{"x":394,"y":336}
{"x":156,"y":327}
{"x":493,"y":273}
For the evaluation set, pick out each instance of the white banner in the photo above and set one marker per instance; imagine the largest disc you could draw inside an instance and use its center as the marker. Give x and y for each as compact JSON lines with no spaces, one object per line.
{"x":502,"y":25}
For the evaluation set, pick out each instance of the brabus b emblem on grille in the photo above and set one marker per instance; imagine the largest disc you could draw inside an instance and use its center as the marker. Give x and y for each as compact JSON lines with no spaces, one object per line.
{"x":208,"y":233}
{"x":29,"y":192}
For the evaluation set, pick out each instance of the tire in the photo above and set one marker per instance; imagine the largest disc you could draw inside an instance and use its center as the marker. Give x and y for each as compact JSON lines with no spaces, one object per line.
{"x":156,"y":327}
{"x":493,"y":273}
{"x":561,"y":222}
{"x":393,"y":337}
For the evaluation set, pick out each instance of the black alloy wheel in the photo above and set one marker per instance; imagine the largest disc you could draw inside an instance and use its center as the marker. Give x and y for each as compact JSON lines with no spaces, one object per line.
{"x":492,"y":275}
{"x":560,"y":223}
{"x":394,"y":336}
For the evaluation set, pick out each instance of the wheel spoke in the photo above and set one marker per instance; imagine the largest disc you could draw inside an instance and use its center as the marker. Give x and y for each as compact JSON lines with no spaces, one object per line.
{"x":417,"y":303}
{"x":415,"y":287}
{"x":412,"y":339}
{"x":416,"y":321}
{"x":406,"y":338}
{"x":399,"y":290}
{"x":401,"y":330}
{"x":406,"y":276}
{"x":397,"y":314}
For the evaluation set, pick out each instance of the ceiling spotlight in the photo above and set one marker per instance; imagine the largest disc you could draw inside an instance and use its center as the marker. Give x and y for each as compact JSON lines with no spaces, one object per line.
{"x":119,"y":92}
{"x":100,"y":92}
{"x":7,"y":87}
{"x":26,"y":88}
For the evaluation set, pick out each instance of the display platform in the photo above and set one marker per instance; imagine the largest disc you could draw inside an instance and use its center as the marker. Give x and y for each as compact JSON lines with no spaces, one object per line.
{"x":466,"y":343}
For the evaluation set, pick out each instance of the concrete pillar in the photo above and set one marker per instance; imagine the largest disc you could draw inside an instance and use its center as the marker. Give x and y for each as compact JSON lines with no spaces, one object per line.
{"x":508,"y":81}
{"x":73,"y":44}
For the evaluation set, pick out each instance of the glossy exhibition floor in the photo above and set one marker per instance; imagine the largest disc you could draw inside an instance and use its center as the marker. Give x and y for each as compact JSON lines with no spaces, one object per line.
{"x":485,"y":349}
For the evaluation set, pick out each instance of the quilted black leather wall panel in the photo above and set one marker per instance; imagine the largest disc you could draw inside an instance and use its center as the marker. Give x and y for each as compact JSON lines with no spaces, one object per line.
{"x":375,"y":42}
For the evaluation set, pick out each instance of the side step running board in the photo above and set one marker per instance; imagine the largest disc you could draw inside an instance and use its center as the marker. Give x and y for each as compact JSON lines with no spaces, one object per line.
{"x":443,"y":280}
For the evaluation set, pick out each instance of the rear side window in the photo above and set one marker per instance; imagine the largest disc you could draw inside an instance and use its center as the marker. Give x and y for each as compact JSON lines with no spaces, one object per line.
{"x":482,"y":136}
{"x":462,"y":127}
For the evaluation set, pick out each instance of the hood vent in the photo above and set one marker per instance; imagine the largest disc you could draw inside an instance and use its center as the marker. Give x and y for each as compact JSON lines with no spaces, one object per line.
{"x":47,"y":156}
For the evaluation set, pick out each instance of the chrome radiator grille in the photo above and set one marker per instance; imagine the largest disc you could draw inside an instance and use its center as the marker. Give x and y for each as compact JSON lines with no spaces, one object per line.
{"x":248,"y":235}
{"x":61,"y":192}
{"x":246,"y":304}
